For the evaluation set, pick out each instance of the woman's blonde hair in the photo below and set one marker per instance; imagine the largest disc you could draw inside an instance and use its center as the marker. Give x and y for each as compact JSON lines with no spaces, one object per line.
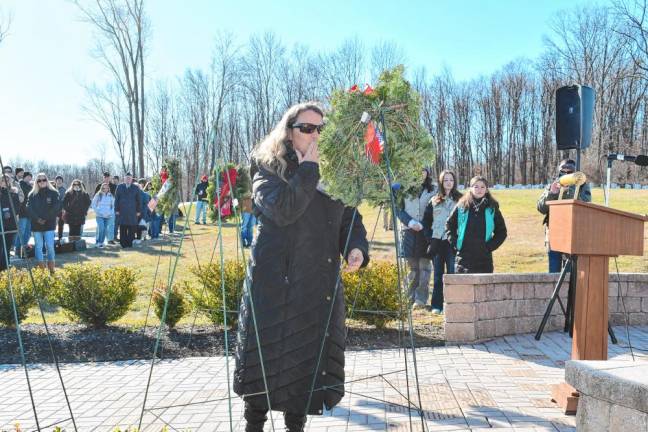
{"x":270,"y":152}
{"x":37,"y":187}
{"x":71,"y":188}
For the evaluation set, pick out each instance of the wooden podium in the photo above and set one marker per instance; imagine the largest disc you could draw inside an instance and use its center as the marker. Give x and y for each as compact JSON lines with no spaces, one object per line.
{"x":593,"y":233}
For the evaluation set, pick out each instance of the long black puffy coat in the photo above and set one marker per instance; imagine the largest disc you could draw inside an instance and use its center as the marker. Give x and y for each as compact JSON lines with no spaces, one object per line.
{"x":294,"y":268}
{"x":76,"y":205}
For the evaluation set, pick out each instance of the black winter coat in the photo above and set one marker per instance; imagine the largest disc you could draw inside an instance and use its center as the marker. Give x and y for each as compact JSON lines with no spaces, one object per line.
{"x":26,"y":188}
{"x":9,"y":204}
{"x":294,"y":268}
{"x":128,"y":202}
{"x":76,"y":205}
{"x":43,"y":205}
{"x":201,"y":191}
{"x":476,"y":255}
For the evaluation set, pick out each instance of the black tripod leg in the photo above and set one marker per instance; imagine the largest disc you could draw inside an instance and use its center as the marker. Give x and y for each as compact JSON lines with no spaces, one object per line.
{"x":612,"y":335}
{"x":552,"y":300}
{"x":571,"y":296}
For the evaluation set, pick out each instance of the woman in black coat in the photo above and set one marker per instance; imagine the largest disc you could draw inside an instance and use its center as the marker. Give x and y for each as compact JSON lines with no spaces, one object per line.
{"x":43,"y":205}
{"x":294,"y":267}
{"x":9,"y":205}
{"x":76,"y":203}
{"x":476,"y":228}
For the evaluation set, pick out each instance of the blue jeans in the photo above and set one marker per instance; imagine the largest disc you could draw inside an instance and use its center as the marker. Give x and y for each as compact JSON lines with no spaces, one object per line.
{"x":110,"y":229}
{"x":171,"y":222}
{"x":201,"y":211}
{"x":247,"y":229}
{"x":103,"y":225}
{"x":555,"y":261}
{"x":156,"y":226}
{"x":445,"y":259}
{"x":44,"y":238}
{"x":24,"y":232}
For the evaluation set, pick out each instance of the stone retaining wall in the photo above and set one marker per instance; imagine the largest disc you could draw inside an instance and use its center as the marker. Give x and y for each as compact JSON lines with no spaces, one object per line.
{"x":483,"y":306}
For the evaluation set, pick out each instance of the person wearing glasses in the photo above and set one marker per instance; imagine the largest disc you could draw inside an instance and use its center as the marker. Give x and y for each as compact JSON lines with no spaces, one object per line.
{"x":75,"y":207}
{"x":9,"y":204}
{"x":43,"y":205}
{"x":551,"y":192}
{"x":295,"y":264}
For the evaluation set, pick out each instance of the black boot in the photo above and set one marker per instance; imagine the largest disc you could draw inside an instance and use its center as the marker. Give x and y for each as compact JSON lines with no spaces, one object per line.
{"x":255,"y":418}
{"x":294,"y":422}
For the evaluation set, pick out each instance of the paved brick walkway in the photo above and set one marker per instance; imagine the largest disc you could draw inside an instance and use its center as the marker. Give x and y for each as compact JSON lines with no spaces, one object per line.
{"x":504,"y":383}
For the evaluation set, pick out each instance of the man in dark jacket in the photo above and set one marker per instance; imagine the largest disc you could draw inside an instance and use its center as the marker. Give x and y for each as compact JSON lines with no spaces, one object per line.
{"x":106,"y":179}
{"x":201,"y":203}
{"x":24,"y":224}
{"x":128,"y":208}
{"x":60,"y":223}
{"x":551,"y":193}
{"x":9,"y":204}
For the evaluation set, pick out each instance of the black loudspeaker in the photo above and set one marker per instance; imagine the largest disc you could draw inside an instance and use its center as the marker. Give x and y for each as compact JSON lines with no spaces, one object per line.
{"x":574,"y":117}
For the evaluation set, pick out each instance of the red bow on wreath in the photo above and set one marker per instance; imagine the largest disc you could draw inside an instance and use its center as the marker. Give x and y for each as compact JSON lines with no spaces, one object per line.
{"x":223,"y":201}
{"x":164,"y":175}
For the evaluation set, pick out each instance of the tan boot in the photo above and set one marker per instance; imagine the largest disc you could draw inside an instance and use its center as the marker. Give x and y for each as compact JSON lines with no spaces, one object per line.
{"x":41,"y":265}
{"x":50,"y":266}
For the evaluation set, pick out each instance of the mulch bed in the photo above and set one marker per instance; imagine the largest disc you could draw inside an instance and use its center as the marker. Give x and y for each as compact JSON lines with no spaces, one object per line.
{"x":76,"y":343}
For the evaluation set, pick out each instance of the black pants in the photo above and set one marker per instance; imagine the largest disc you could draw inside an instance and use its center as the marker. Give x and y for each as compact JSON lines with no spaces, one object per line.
{"x":126,"y":235}
{"x":59,"y":224}
{"x":256,"y":417}
{"x":75,"y":230}
{"x":6,"y":242}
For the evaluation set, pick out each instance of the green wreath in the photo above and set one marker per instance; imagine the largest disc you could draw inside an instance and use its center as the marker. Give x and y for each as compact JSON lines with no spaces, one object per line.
{"x":242,"y":189}
{"x":169,"y":201}
{"x":347,"y":173}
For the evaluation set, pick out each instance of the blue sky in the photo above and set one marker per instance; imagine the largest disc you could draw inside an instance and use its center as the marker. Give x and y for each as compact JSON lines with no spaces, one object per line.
{"x":46,"y":58}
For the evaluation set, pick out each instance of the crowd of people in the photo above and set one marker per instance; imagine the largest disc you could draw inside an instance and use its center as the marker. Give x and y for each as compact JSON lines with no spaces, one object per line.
{"x":40,"y":208}
{"x":444,"y":231}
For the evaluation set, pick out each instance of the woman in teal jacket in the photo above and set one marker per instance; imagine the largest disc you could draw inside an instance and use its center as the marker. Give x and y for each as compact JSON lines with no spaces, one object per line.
{"x":476,"y":228}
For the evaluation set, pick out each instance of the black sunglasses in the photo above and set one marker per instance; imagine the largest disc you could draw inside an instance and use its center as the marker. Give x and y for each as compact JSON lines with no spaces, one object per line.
{"x":308,"y":128}
{"x":41,"y":181}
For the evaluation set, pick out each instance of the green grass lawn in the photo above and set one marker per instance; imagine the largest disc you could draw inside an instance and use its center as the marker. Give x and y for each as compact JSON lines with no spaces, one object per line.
{"x":523,"y":250}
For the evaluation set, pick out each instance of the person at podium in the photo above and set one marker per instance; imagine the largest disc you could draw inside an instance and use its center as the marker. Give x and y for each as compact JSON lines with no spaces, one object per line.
{"x":551,"y":192}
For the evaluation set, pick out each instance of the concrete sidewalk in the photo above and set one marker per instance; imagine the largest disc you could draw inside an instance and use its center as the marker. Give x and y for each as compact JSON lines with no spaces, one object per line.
{"x":501,"y":384}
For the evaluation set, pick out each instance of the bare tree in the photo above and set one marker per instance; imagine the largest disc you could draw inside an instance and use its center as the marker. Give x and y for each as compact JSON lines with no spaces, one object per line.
{"x":108,"y":108}
{"x":122,"y":29}
{"x":5,"y":24}
{"x":635,"y":29}
{"x":224,"y":71}
{"x":385,"y":55}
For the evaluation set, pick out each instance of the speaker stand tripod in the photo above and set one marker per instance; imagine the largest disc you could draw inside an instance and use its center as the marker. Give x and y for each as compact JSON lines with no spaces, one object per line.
{"x":570,"y":267}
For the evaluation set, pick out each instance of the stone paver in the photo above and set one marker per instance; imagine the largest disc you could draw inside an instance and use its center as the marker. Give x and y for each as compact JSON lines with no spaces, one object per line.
{"x":501,"y":384}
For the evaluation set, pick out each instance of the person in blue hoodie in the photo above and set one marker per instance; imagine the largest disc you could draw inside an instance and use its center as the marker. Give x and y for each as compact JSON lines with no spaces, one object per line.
{"x":476,"y":228}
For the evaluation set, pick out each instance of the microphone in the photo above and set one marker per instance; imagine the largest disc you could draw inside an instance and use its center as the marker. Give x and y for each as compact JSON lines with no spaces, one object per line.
{"x":641,"y":160}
